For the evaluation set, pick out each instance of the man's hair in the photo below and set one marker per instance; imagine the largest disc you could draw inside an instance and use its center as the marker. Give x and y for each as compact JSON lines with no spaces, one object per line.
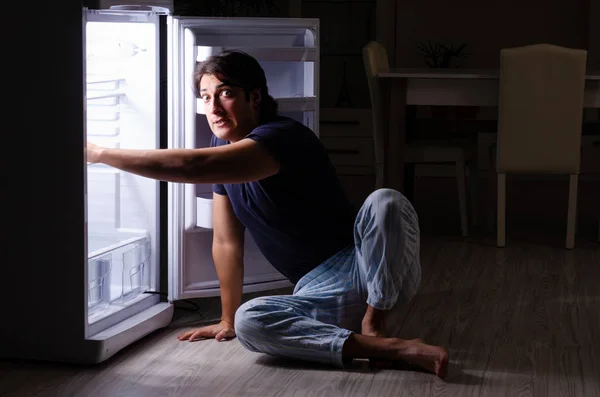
{"x":238,"y":69}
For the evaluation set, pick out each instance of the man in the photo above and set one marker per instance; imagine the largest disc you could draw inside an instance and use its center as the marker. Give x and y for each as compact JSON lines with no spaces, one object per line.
{"x":272,"y":176}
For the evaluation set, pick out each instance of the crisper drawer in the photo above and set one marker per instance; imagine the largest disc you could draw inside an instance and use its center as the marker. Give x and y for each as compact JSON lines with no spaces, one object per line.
{"x":349,"y":151}
{"x":119,"y":271}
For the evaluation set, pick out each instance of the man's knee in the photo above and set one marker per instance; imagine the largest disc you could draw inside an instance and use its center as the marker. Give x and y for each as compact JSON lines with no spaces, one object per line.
{"x":389,"y":202}
{"x":384,"y":195}
{"x":254,"y":320}
{"x":248,"y":325}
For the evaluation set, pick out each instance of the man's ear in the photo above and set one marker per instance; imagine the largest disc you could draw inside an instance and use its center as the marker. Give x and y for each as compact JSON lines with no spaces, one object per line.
{"x":256,"y":97}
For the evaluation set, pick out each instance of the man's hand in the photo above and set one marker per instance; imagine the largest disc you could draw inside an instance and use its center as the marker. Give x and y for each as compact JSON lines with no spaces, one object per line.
{"x":222,"y":331}
{"x":93,"y":153}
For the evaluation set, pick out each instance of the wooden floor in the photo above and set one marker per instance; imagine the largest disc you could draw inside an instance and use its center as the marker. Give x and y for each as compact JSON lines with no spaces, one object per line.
{"x":518,"y":321}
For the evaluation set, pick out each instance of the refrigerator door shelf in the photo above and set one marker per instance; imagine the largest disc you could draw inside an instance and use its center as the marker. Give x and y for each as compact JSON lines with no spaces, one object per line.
{"x":274,"y":54}
{"x":225,"y":25}
{"x":204,"y":213}
{"x":293,"y":104}
{"x":251,"y":284}
{"x":299,"y":104}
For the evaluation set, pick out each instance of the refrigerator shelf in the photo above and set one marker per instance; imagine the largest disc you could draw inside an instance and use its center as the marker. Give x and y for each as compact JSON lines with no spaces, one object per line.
{"x":286,"y":104}
{"x":97,"y":96}
{"x":104,"y":84}
{"x":297,"y":104}
{"x":106,"y":80}
{"x":101,"y":243}
{"x":279,"y":54}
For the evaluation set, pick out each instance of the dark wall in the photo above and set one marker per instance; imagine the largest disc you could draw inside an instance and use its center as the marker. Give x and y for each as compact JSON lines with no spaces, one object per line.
{"x":489,"y":26}
{"x":45,"y":226}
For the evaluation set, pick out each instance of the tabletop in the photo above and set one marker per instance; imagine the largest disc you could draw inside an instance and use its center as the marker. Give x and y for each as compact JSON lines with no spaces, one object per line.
{"x":448,"y":73}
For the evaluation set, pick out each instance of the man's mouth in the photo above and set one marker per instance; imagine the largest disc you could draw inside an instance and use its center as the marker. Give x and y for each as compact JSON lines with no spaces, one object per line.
{"x":219,"y":122}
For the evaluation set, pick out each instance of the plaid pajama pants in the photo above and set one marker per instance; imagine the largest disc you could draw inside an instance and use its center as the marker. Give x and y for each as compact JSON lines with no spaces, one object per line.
{"x":381,"y":269}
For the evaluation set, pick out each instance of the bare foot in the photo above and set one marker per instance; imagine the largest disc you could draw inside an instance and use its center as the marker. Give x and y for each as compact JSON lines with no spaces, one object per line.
{"x":387,"y":363}
{"x":430,"y":358}
{"x":414,"y":352}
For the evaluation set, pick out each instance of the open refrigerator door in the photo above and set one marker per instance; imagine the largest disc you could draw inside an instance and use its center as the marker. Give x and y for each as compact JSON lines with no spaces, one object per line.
{"x":288,"y":51}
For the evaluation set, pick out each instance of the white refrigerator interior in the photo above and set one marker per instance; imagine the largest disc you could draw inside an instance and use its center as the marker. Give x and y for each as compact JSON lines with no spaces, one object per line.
{"x":122,"y":111}
{"x":288,"y":51}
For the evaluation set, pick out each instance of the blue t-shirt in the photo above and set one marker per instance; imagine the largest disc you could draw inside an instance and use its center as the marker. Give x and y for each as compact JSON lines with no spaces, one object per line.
{"x":300,"y":216}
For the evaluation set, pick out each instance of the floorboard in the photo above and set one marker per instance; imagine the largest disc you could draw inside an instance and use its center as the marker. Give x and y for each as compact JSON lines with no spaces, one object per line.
{"x":517,"y":321}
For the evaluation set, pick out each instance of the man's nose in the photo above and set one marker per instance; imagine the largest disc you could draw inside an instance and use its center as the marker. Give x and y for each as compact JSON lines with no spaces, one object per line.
{"x":215,"y":106}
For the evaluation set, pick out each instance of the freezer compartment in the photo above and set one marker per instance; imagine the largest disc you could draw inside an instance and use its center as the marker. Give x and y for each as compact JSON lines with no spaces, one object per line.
{"x":258,"y":36}
{"x":118,"y":271}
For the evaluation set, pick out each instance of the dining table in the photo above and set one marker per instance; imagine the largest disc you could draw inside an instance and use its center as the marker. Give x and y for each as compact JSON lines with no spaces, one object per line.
{"x":406,"y":88}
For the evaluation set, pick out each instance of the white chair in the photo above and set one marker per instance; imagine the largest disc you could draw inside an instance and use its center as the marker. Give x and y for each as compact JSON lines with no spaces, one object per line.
{"x":417,"y":152}
{"x":540,"y":119}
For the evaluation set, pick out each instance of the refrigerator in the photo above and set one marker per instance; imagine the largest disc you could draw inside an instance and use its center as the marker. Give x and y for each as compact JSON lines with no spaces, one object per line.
{"x":137,"y":93}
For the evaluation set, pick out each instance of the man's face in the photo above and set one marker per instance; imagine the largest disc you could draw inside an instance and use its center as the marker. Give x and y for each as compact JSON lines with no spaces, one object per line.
{"x":230,"y":116}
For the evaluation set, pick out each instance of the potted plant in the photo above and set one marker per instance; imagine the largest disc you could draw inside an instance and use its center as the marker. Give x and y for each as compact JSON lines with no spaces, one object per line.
{"x":440,"y":55}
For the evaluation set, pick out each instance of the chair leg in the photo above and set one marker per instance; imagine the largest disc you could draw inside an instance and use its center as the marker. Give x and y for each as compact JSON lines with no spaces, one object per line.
{"x":572,"y":211}
{"x":491,"y":202}
{"x":491,"y":193}
{"x":501,"y":224}
{"x":462,"y":197}
{"x":473,"y":197}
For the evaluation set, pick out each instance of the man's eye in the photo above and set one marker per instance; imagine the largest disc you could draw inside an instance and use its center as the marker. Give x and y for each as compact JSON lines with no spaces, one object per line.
{"x":204,"y":98}
{"x":226,"y":93}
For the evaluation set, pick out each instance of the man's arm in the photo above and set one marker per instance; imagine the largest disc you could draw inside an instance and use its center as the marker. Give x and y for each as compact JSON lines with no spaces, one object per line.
{"x":228,"y":254}
{"x":243,"y":161}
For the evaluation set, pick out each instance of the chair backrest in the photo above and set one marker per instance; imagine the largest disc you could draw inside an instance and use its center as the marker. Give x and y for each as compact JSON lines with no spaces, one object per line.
{"x":376,"y":60}
{"x":540,"y":109}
